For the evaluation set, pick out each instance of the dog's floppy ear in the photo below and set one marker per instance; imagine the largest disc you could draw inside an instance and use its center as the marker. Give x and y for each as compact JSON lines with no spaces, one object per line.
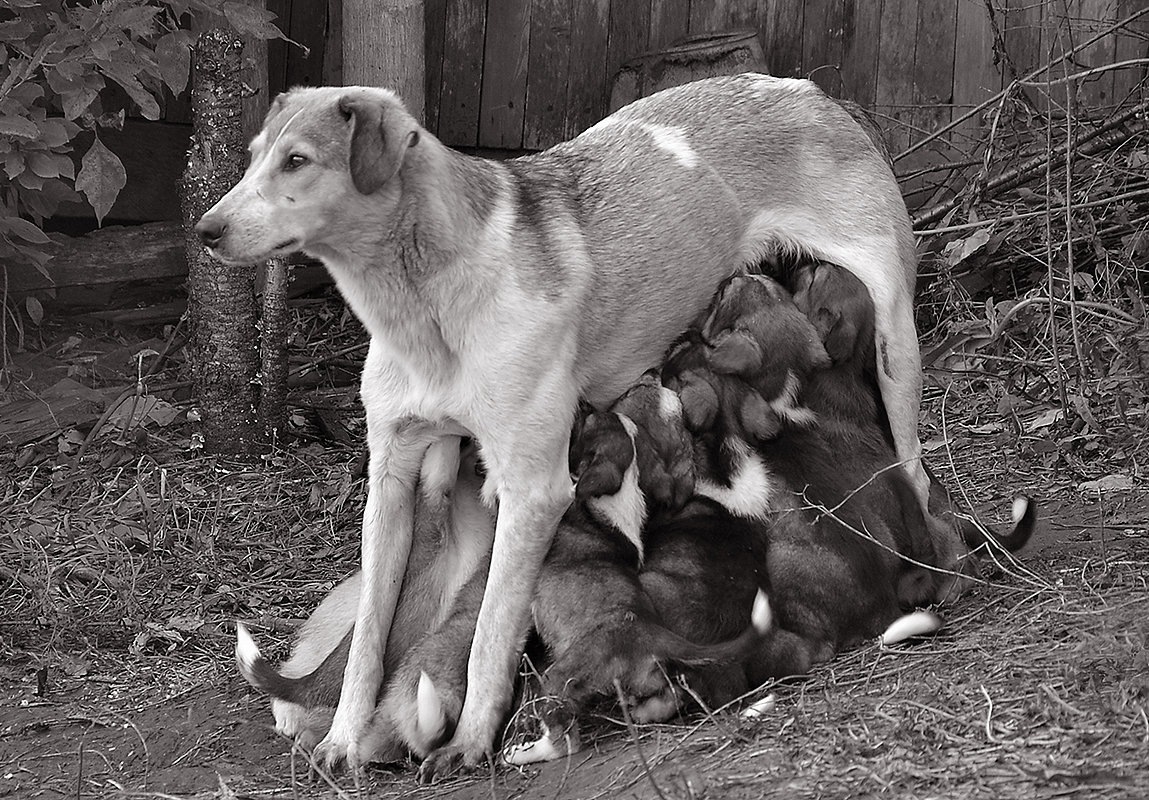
{"x":600,"y":478}
{"x":378,"y":144}
{"x":838,"y":333}
{"x":735,"y":352}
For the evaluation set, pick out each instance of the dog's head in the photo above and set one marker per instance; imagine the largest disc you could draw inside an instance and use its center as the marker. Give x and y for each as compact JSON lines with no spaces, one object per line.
{"x":603,"y":459}
{"x":755,"y":331}
{"x":841,"y":310}
{"x":320,"y":154}
{"x":663,"y":444}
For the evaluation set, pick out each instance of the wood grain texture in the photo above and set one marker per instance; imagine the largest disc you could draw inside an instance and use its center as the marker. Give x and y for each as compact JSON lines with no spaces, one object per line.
{"x":504,"y":91}
{"x":862,"y":23}
{"x":548,"y":68}
{"x":464,"y":28}
{"x":781,"y":23}
{"x":588,"y":84}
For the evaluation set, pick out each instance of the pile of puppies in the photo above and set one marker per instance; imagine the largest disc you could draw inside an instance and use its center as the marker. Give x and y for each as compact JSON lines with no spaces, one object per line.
{"x":739,"y":515}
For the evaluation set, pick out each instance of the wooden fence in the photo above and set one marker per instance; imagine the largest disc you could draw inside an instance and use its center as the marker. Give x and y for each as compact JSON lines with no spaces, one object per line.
{"x":524,"y":74}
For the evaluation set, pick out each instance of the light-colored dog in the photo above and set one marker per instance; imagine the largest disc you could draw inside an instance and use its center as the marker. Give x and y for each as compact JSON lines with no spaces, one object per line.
{"x":496,"y":294}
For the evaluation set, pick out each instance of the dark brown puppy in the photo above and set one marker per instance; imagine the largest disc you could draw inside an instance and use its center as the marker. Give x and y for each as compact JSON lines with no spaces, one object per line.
{"x":590,"y":608}
{"x":830,"y":542}
{"x":841,"y":310}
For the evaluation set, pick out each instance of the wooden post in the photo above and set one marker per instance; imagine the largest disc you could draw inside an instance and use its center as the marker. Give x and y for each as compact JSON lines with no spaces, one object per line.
{"x":383,"y":45}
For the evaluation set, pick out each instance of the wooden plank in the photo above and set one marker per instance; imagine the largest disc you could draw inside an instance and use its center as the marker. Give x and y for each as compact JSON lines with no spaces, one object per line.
{"x":1068,"y":24}
{"x":894,"y":97}
{"x":333,"y":45}
{"x":548,"y":66}
{"x":465,"y":31}
{"x":435,"y":25}
{"x":504,"y":91}
{"x":1132,"y":42}
{"x":976,"y":76}
{"x":862,"y":24}
{"x":308,"y":27}
{"x":589,"y":84}
{"x":932,"y":91}
{"x":115,"y":254}
{"x":710,"y":16}
{"x":628,"y":34}
{"x":277,"y":48}
{"x":781,"y":24}
{"x":669,"y":22}
{"x":823,"y":44}
{"x":1021,"y":33}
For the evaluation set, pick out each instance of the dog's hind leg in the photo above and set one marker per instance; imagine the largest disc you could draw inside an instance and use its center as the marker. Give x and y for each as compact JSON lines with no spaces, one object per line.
{"x":397,"y":449}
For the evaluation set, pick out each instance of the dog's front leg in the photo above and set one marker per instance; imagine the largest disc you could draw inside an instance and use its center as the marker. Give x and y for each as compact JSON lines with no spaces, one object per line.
{"x":388,"y":523}
{"x":534,"y":490}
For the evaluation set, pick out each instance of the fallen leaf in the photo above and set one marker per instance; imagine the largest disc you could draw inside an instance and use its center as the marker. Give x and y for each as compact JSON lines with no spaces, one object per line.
{"x":1110,"y":483}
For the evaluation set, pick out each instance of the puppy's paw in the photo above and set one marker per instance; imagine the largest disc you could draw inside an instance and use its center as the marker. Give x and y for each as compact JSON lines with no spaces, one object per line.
{"x":449,"y":760}
{"x":552,"y":745}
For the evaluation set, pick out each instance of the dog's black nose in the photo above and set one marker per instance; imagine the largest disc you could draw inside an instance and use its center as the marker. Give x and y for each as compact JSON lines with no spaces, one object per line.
{"x":210,"y":231}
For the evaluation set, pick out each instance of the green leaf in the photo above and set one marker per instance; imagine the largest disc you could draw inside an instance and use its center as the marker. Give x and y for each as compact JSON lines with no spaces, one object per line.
{"x":173,"y":53}
{"x":252,"y":20}
{"x":34,"y":309}
{"x":25,"y":230}
{"x":18,"y":126}
{"x":43,"y":164}
{"x":101,"y":178}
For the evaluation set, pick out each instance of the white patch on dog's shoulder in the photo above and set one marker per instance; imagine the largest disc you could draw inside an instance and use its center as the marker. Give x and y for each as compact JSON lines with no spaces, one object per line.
{"x":669,"y":405}
{"x":626,"y":509}
{"x":751,"y":490}
{"x":673,"y":141}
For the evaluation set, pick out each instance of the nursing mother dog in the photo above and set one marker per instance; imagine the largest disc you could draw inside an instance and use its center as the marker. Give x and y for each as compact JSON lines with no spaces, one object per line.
{"x":497,"y":294}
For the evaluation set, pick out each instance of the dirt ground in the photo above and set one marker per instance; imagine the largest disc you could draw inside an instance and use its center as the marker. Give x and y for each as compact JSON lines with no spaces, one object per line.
{"x":121,"y":577}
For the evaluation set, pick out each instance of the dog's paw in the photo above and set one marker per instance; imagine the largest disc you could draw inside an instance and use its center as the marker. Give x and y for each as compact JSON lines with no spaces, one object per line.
{"x":449,"y":760}
{"x":336,"y":752}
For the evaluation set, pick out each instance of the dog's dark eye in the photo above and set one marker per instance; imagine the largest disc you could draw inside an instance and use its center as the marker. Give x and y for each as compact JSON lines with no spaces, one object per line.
{"x":294,"y":162}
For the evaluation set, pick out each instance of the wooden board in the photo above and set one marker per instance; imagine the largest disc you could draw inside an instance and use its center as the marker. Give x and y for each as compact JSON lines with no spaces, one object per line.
{"x":465,"y":32}
{"x":588,"y":84}
{"x":669,"y":22}
{"x":628,"y":35}
{"x":1133,"y":42}
{"x":548,"y":67}
{"x":932,"y":98}
{"x":435,"y":25}
{"x":115,"y":254}
{"x":823,"y":44}
{"x":781,"y":23}
{"x":895,"y":91}
{"x":862,"y":23}
{"x":712,"y":16}
{"x":977,"y":79}
{"x":504,"y":93}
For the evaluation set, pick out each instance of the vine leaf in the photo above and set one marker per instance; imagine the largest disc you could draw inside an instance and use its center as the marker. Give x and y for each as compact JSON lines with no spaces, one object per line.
{"x":102,"y":176}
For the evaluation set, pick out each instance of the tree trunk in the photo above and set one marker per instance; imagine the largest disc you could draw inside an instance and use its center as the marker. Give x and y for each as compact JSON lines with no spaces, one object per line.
{"x":383,"y":43}
{"x":221,"y":300}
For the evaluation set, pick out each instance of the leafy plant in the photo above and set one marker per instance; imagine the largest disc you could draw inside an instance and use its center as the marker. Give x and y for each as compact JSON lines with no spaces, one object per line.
{"x":67,"y":67}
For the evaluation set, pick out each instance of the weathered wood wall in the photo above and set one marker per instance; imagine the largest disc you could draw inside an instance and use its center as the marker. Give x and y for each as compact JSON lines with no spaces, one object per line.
{"x":524,"y":74}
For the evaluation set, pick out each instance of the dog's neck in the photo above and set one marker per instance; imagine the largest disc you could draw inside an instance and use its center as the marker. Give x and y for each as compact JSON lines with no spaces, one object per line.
{"x":398,"y":255}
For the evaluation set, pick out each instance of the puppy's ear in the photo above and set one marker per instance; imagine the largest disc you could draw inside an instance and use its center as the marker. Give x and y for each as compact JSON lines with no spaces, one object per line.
{"x":601,"y":478}
{"x":378,"y":144}
{"x":735,"y":352}
{"x":758,"y":419}
{"x":699,"y":401}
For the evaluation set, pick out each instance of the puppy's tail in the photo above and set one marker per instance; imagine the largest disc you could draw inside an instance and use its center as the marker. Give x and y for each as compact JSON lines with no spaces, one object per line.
{"x":685,"y":653}
{"x":1024,"y":513}
{"x":320,"y":687}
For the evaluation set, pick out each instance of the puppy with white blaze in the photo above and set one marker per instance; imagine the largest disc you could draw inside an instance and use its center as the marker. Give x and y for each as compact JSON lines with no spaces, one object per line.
{"x":498,"y":293}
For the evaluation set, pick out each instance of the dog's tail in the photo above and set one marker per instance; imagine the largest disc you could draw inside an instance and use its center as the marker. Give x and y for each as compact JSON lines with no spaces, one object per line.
{"x":976,"y":535}
{"x":675,"y":649}
{"x":321,"y":687}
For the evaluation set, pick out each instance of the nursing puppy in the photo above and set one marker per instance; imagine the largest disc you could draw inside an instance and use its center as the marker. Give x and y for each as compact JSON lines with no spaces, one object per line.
{"x":839,"y":307}
{"x":590,"y":608}
{"x":455,"y":530}
{"x":832,"y":579}
{"x":497,"y":294}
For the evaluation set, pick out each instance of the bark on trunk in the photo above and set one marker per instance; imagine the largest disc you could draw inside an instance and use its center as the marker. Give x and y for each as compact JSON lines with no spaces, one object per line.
{"x":273,"y":329}
{"x":221,"y":297}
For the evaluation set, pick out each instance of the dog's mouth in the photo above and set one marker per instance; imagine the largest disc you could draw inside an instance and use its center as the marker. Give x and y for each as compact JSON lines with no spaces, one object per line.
{"x":283,"y":248}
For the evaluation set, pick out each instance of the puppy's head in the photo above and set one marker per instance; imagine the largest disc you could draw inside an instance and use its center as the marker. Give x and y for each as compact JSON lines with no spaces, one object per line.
{"x":602,"y":451}
{"x":663,"y":445}
{"x":754,"y":331}
{"x":324,"y":157}
{"x":715,"y":402}
{"x":841,"y":310}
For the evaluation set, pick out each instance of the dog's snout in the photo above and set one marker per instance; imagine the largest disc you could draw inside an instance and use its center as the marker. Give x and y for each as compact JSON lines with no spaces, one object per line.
{"x":210,"y":231}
